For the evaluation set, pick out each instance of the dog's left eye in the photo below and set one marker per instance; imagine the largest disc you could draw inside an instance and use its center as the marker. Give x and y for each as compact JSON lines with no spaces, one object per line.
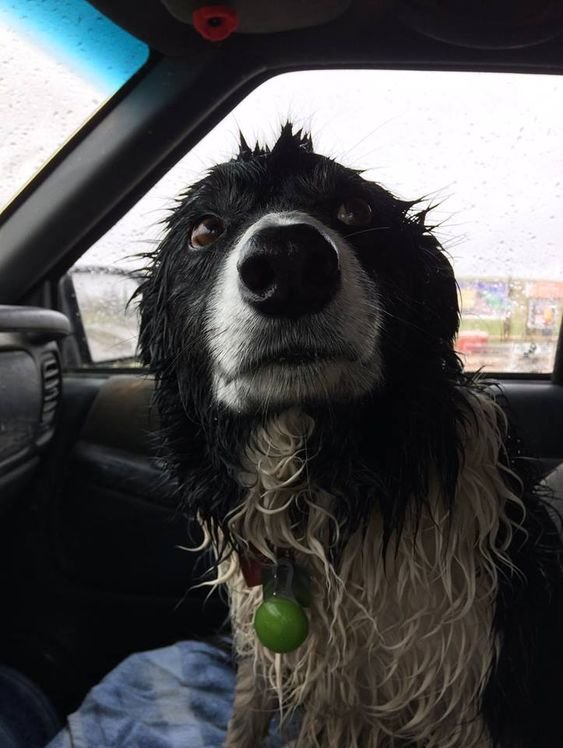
{"x":355,"y":212}
{"x":206,"y":232}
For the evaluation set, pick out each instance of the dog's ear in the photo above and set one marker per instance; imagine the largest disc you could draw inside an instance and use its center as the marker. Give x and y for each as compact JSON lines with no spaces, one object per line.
{"x":423,"y":286}
{"x":439,"y":291}
{"x":153,"y":319}
{"x":155,"y":297}
{"x":430,"y":306}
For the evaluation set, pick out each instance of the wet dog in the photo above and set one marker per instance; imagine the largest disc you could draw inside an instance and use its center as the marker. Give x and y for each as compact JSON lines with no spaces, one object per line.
{"x":300,"y":323}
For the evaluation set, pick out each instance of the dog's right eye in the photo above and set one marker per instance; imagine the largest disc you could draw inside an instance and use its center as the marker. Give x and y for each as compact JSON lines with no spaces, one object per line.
{"x":208,"y":230}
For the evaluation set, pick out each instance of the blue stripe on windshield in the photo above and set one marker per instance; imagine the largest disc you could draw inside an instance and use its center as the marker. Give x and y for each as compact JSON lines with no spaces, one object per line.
{"x":80,"y":36}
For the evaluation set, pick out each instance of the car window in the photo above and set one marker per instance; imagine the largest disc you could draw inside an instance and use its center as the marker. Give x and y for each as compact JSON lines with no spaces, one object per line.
{"x":59,"y":61}
{"x":484,"y":149}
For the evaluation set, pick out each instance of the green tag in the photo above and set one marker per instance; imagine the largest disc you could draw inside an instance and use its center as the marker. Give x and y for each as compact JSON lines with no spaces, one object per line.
{"x":281,"y":624}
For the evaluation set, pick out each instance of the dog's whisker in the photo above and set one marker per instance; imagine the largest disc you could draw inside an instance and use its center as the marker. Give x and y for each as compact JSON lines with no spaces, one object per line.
{"x":371,"y":230}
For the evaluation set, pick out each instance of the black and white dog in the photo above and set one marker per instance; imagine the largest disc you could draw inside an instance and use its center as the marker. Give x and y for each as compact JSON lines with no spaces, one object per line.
{"x":300,"y":324}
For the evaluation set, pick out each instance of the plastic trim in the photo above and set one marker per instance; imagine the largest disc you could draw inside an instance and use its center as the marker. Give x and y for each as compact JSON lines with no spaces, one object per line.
{"x":41,"y":323}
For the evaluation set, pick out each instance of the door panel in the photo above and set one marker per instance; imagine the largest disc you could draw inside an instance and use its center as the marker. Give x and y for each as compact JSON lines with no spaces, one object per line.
{"x":100,"y":571}
{"x":120,"y":526}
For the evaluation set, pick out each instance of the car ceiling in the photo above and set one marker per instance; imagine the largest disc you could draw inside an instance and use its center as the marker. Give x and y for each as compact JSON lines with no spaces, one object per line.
{"x":189,"y":84}
{"x":502,"y":24}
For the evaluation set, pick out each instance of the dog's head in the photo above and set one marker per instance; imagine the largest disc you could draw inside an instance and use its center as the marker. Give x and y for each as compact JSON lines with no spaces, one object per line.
{"x":286,"y":278}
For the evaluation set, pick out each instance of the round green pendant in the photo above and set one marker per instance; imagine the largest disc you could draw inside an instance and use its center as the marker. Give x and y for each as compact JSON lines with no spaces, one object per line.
{"x":281,"y":624}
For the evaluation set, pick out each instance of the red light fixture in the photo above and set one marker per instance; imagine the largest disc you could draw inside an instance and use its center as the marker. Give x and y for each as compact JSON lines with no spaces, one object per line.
{"x":215,"y":22}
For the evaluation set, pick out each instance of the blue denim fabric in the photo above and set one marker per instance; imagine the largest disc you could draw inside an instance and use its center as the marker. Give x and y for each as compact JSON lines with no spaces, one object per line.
{"x":177,"y":697}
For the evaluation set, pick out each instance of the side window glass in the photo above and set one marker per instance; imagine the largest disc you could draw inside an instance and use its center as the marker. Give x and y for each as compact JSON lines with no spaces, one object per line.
{"x":481,"y":147}
{"x":109,"y":320}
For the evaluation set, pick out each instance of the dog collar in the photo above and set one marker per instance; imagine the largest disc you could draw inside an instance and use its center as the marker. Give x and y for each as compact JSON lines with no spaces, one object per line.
{"x":281,"y":623}
{"x":252,"y":565}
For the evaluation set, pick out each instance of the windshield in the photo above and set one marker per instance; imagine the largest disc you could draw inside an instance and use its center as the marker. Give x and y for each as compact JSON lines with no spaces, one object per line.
{"x":59,"y":61}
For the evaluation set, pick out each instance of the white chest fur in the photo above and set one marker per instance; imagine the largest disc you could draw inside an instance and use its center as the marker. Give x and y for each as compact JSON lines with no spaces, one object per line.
{"x":398,"y":652}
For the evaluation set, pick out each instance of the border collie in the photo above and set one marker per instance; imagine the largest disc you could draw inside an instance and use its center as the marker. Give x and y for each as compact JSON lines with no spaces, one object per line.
{"x":300,"y":323}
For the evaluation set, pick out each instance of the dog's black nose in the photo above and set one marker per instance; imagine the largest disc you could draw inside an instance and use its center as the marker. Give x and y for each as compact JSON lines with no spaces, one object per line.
{"x":288,"y":271}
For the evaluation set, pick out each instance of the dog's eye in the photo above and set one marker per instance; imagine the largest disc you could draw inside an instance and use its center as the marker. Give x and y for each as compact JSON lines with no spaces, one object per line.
{"x":354,"y":212}
{"x":206,"y":232}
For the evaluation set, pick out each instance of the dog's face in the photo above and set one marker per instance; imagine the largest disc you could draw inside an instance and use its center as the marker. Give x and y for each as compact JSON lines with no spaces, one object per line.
{"x":294,"y":316}
{"x":287,"y":278}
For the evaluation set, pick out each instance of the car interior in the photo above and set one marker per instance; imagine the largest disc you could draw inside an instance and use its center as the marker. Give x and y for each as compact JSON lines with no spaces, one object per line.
{"x":95,"y":559}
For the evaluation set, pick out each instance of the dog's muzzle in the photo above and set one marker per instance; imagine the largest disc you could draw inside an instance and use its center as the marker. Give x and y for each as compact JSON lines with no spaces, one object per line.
{"x":293,"y":318}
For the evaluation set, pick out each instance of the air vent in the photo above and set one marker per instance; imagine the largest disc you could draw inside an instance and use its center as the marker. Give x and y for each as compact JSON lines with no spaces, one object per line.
{"x":51,"y":373}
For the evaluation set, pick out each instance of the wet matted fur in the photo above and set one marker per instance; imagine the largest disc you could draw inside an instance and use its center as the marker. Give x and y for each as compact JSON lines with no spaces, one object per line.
{"x":335,"y":424}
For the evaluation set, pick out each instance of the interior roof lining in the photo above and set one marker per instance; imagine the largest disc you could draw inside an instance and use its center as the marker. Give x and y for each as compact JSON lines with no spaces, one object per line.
{"x":154,"y":24}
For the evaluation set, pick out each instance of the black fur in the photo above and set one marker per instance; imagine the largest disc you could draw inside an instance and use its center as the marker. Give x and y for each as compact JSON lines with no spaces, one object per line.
{"x":389,"y":437}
